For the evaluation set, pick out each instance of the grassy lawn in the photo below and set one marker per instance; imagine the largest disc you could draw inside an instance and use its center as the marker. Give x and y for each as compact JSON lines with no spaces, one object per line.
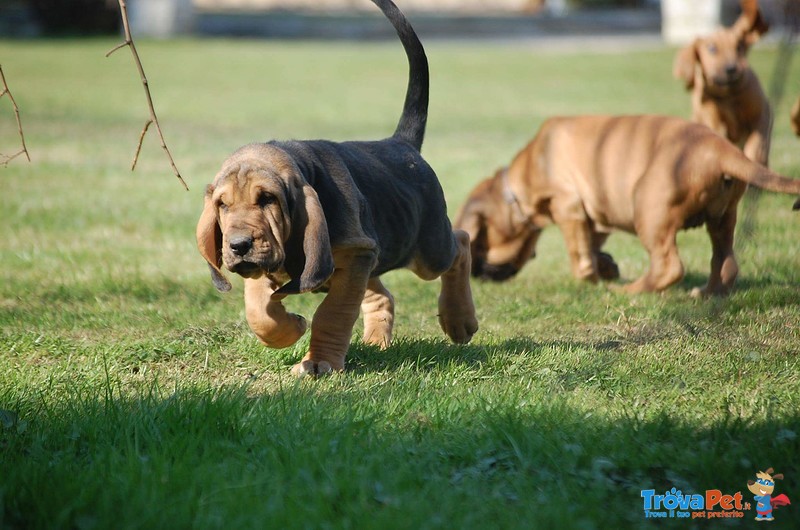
{"x":133,"y":395}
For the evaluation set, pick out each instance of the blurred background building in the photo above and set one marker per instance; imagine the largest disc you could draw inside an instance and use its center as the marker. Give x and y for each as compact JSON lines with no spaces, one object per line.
{"x":676,"y":20}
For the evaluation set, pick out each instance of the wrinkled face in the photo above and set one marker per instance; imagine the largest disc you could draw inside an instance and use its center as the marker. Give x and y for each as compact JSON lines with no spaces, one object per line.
{"x":501,"y":239}
{"x":764,"y":485}
{"x":723,"y":58}
{"x":253,"y":215}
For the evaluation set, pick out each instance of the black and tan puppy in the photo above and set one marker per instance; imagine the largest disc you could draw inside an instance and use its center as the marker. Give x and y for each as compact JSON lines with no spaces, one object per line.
{"x":299,"y":216}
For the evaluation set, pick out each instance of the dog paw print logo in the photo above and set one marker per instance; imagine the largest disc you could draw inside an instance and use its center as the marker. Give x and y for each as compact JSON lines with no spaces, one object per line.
{"x":762,"y":489}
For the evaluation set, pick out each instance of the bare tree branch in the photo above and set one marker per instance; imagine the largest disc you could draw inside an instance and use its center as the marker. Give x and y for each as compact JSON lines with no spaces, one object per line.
{"x":6,"y":159}
{"x":153,"y":119}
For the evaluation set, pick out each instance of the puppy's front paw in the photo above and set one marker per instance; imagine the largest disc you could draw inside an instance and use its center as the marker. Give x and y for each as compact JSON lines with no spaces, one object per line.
{"x":316,"y":364}
{"x":311,"y":368}
{"x":706,"y":292}
{"x":459,"y":324}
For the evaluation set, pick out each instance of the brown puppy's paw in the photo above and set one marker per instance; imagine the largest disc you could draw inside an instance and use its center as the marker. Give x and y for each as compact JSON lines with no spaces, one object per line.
{"x":460,"y":324}
{"x":607,"y":268}
{"x":698,"y":292}
{"x":377,"y":337}
{"x":311,"y":368}
{"x":636,"y":287}
{"x":705,"y":292}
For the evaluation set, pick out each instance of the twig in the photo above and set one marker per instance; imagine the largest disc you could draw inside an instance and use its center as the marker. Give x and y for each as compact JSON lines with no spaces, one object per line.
{"x":153,"y":119}
{"x":24,"y":150}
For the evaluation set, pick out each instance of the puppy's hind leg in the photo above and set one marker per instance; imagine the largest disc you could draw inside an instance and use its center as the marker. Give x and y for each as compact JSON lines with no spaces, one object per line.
{"x":724,"y":268}
{"x":378,"y":310}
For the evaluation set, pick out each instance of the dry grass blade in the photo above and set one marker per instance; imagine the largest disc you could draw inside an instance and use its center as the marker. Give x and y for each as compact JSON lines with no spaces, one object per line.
{"x":6,"y":159}
{"x":153,"y":118}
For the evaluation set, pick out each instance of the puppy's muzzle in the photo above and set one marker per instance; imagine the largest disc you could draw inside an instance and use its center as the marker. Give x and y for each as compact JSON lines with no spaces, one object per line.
{"x":246,"y":258}
{"x":495,"y":273}
{"x":729,"y":76}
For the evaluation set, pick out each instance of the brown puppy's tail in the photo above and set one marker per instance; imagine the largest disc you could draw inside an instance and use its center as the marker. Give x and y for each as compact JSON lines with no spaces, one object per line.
{"x":411,"y":127}
{"x":738,"y":166}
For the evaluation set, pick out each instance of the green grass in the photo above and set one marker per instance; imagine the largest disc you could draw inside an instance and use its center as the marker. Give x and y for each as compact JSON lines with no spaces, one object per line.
{"x":133,"y":395}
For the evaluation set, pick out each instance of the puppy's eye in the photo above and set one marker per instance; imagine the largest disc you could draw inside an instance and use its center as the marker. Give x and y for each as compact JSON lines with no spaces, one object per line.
{"x":712,"y":49}
{"x":222,"y":206}
{"x":265,"y":199}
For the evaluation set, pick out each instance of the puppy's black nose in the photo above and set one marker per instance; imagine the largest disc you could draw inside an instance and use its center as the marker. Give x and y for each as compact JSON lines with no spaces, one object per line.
{"x":730,"y":70}
{"x":241,"y":245}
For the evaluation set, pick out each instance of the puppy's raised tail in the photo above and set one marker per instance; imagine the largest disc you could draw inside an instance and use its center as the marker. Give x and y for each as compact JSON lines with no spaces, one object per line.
{"x":411,"y":127}
{"x":740,"y":167}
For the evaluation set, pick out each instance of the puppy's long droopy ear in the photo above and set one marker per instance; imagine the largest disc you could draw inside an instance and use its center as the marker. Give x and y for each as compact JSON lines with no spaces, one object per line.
{"x":309,"y":260}
{"x":209,"y":242}
{"x":685,"y":63}
{"x":469,"y":217}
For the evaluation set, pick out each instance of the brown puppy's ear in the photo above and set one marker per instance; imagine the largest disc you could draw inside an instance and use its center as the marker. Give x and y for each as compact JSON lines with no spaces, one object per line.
{"x":309,"y":260}
{"x":778,"y":476}
{"x":751,"y":22}
{"x":685,"y":63}
{"x":472,"y":220}
{"x":468,"y":219}
{"x":759,"y":28}
{"x":471,"y":217}
{"x":209,"y":242}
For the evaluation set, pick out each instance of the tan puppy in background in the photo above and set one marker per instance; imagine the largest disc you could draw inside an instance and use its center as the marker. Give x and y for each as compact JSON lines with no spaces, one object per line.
{"x":726,"y":93}
{"x":648,"y":175}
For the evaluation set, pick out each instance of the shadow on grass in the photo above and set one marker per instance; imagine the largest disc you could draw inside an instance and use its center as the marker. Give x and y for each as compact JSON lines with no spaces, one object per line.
{"x":429,"y":355}
{"x":773,"y":290}
{"x":367,"y":454}
{"x":422,"y":354}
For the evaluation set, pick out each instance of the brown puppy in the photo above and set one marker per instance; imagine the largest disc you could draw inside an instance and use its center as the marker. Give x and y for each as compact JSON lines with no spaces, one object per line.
{"x":726,"y":94}
{"x":647,"y":175}
{"x":293,"y":217}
